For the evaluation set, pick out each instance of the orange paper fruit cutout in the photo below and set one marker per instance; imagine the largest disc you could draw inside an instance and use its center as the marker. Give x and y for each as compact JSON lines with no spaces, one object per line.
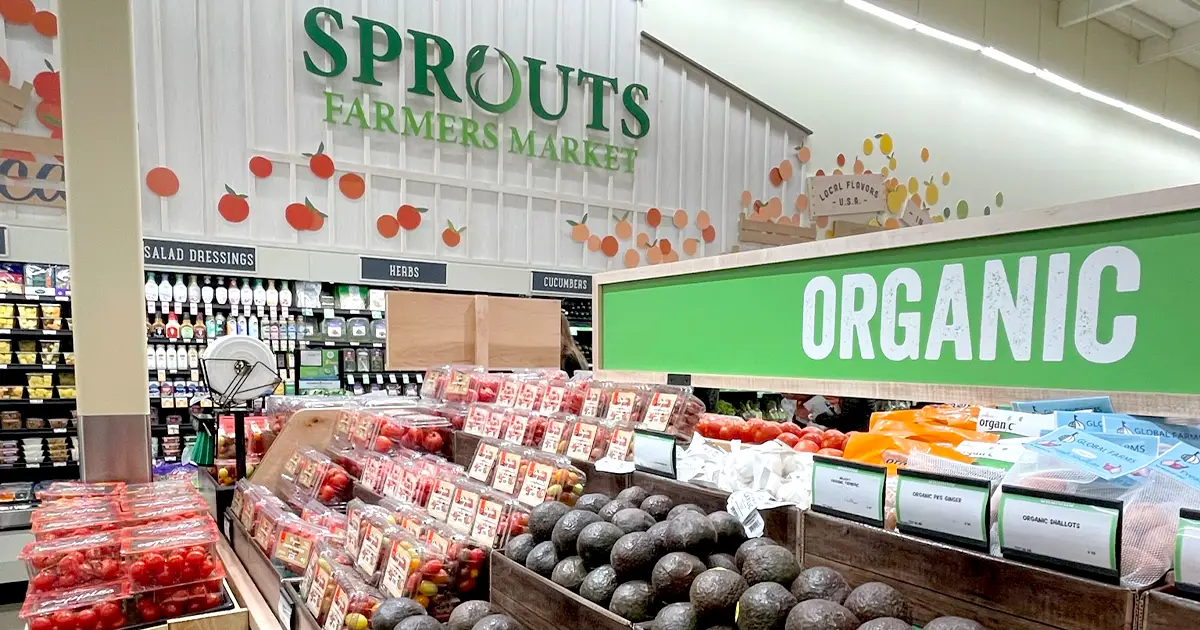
{"x":352,"y":185}
{"x":387,"y":225}
{"x":233,"y":207}
{"x":822,"y":221}
{"x":680,"y":218}
{"x":747,"y":198}
{"x":802,"y":201}
{"x":924,"y":155}
{"x":319,"y":163}
{"x":162,"y":181}
{"x":593,"y":243}
{"x":452,"y":236}
{"x":632,"y":258}
{"x":409,"y":217}
{"x":653,"y":217}
{"x":579,"y":230}
{"x":643,"y":239}
{"x":664,"y":245}
{"x":691,"y":246}
{"x":702,"y":219}
{"x":776,"y":178}
{"x":672,"y":256}
{"x":5,"y":72}
{"x":304,"y":217}
{"x":623,"y":228}
{"x":859,"y":167}
{"x":45,"y":23}
{"x":785,"y":169}
{"x":609,"y":246}
{"x":804,"y":154}
{"x":17,"y":11}
{"x":654,"y":255}
{"x":261,"y":167}
{"x":773,"y":208}
{"x":709,"y":234}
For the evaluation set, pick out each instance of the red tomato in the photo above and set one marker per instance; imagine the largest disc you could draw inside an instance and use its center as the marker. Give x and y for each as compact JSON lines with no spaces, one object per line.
{"x":833,"y":439}
{"x":806,"y":446}
{"x":773,"y":430}
{"x":789,"y":439}
{"x":791,"y":427}
{"x":726,"y":432}
{"x":832,"y":452}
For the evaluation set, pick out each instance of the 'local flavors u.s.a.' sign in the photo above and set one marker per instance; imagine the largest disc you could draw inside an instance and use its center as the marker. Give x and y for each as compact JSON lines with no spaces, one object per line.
{"x":1104,"y":306}
{"x":431,"y":73}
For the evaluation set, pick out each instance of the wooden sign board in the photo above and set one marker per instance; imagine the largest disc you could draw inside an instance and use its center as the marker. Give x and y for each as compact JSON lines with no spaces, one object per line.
{"x":766,"y":233}
{"x":836,"y":195}
{"x":13,"y":102}
{"x":850,"y":228}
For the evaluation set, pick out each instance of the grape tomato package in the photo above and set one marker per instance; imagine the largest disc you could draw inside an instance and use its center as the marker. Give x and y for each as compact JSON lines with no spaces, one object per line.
{"x":595,"y":399}
{"x":563,"y":395}
{"x":497,"y":517}
{"x":317,"y":476}
{"x":434,"y":383}
{"x":483,"y":463}
{"x":464,"y":383}
{"x":558,"y":427}
{"x":512,"y":462}
{"x":549,"y":477}
{"x":173,"y":560}
{"x":461,"y":515}
{"x":529,"y":394}
{"x":103,"y":606}
{"x":403,"y":563}
{"x":353,"y":604}
{"x":454,"y":413}
{"x":424,"y":432}
{"x":356,"y":512}
{"x":316,"y":588}
{"x":295,"y":540}
{"x":484,"y":420}
{"x":625,"y":402}
{"x":78,"y":489}
{"x":665,"y":407}
{"x":375,"y":547}
{"x":523,"y":427}
{"x":442,"y":495}
{"x":590,"y":438}
{"x":70,"y":526}
{"x":67,"y":563}
{"x":375,"y":470}
{"x":172,"y":602}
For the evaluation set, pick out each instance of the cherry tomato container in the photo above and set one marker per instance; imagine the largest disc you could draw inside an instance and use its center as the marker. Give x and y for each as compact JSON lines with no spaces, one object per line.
{"x":434,"y":383}
{"x":461,"y":514}
{"x":523,"y":427}
{"x":620,"y":443}
{"x":58,"y":511}
{"x":626,"y":402}
{"x":462,"y":383}
{"x":512,"y":462}
{"x":157,"y":530}
{"x":242,"y":490}
{"x":557,"y":433}
{"x":295,"y":540}
{"x":172,"y":560}
{"x":672,"y":409}
{"x":483,"y":463}
{"x":252,"y":508}
{"x":317,"y":476}
{"x":166,"y":513}
{"x":175,"y":601}
{"x":374,"y":547}
{"x":343,"y":426}
{"x":100,"y":606}
{"x":564,"y":395}
{"x":58,"y":565}
{"x":316,"y":588}
{"x":530,"y":394}
{"x":466,"y":563}
{"x":356,"y":513}
{"x":595,"y":399}
{"x":507,"y":387}
{"x":441,"y":497}
{"x":158,"y":488}
{"x":497,"y":517}
{"x":375,"y":468}
{"x":409,"y":567}
{"x":354,"y":603}
{"x":70,"y":526}
{"x":78,"y":489}
{"x":589,"y":438}
{"x":479,"y":420}
{"x":425,"y":433}
{"x":550,"y":477}
{"x":317,"y":514}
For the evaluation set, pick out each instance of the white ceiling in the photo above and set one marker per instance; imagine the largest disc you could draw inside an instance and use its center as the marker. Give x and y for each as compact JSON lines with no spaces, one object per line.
{"x":1163,"y":28}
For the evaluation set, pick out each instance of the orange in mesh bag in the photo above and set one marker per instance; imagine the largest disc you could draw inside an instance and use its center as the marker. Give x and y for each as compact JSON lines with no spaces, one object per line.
{"x":931,"y":432}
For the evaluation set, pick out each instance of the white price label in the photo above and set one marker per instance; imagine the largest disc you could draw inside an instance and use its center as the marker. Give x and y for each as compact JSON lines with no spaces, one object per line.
{"x":1015,"y":422}
{"x":1187,"y":550}
{"x":937,"y":506}
{"x":848,"y":489}
{"x":1064,"y":530}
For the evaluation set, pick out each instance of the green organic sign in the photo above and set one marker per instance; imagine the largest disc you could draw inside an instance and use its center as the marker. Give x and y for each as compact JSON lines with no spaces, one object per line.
{"x":433,"y":57}
{"x":1105,"y":306}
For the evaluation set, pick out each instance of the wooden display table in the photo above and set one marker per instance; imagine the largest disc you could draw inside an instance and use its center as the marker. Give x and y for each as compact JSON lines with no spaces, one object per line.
{"x":539,"y":604}
{"x":942,"y":580}
{"x":1166,"y":611}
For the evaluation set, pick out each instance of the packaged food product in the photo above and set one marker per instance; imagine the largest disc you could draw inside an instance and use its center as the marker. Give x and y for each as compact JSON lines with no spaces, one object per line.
{"x":356,"y":512}
{"x":434,"y":383}
{"x":10,"y":420}
{"x":497,"y":517}
{"x":454,"y":413}
{"x":354,"y":603}
{"x":483,"y":463}
{"x":589,"y":439}
{"x":314,"y":475}
{"x":295,"y":540}
{"x":441,"y":497}
{"x":530,"y":394}
{"x":549,"y":477}
{"x":479,"y":420}
{"x":330,"y":519}
{"x":463,"y":383}
{"x":626,"y":402}
{"x":158,"y":530}
{"x":253,"y":506}
{"x":408,"y":567}
{"x":12,"y":278}
{"x":176,"y":559}
{"x":408,"y":517}
{"x":461,"y":514}
{"x":67,"y":563}
{"x":378,"y":536}
{"x":325,"y":557}
{"x":103,"y":606}
{"x":76,"y":489}
{"x":171,"y":602}
{"x":595,"y":400}
{"x":523,"y":427}
{"x":424,"y":432}
{"x":465,"y":561}
{"x":26,"y":358}
{"x":39,"y":379}
{"x":375,"y":470}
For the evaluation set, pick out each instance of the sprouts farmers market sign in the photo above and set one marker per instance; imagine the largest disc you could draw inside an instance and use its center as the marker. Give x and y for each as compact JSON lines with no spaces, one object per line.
{"x":1105,"y":306}
{"x":431,"y":77}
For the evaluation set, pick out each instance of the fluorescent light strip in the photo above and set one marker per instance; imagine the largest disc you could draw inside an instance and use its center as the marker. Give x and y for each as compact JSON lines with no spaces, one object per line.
{"x":1017,"y":64}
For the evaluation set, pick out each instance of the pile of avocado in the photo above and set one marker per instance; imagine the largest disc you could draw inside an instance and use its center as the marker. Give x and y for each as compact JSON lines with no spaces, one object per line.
{"x":402,"y":613}
{"x":674,"y":567}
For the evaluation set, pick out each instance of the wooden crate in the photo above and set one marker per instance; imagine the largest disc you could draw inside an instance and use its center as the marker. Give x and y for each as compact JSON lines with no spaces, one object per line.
{"x":850,"y":228}
{"x":942,"y":580}
{"x":539,"y":604}
{"x":1163,"y":610}
{"x":783,"y":524}
{"x":766,"y":233}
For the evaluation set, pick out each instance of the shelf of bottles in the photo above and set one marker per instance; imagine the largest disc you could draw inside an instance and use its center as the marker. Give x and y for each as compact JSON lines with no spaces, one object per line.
{"x":37,"y":374}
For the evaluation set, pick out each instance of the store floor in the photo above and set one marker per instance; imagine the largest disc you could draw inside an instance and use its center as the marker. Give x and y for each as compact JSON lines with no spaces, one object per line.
{"x":9,"y":619}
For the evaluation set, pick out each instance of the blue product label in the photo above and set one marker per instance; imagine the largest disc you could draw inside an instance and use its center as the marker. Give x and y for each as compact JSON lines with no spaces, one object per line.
{"x":1083,"y":420}
{"x":1182,"y":463}
{"x":1111,"y":427}
{"x":1092,"y":403}
{"x":1167,"y":433}
{"x":1091,"y":453}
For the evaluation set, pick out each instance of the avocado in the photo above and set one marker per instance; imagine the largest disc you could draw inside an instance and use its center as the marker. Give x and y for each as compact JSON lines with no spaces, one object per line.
{"x":730,"y":533}
{"x":715,"y":594}
{"x":566,"y":533}
{"x":542,"y":559}
{"x":658,"y":533}
{"x":596,"y":541}
{"x":723,"y":560}
{"x":722,"y":627}
{"x":616,"y":505}
{"x":673,"y":574}
{"x":633,"y":601}
{"x":886,"y":623}
{"x":685,"y":507}
{"x":592,"y":502}
{"x":599,"y":585}
{"x":953,"y":623}
{"x":497,"y":622}
{"x":633,"y":556}
{"x":658,"y":506}
{"x":467,"y":614}
{"x":393,"y":611}
{"x":544,"y":517}
{"x":569,"y":573}
{"x":820,"y":583}
{"x":876,"y":599}
{"x":692,"y":533}
{"x":420,"y":622}
{"x":518,"y":547}
{"x":770,"y":563}
{"x":820,"y":614}
{"x":633,"y":494}
{"x":678,"y":616}
{"x":633,"y":520}
{"x":764,"y":606}
{"x":739,"y":556}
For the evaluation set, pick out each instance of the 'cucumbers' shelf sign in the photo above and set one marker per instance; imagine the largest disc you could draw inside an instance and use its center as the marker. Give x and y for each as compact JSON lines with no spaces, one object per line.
{"x":1102,"y":306}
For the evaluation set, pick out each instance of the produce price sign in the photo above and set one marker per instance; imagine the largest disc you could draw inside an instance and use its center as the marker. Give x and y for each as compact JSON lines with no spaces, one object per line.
{"x":654,"y":452}
{"x":850,"y":490}
{"x":1079,"y":535}
{"x":1187,"y":552}
{"x":943,"y":508}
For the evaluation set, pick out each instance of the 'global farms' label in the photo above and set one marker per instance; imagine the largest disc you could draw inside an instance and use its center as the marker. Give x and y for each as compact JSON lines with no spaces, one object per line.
{"x":1091,"y":453}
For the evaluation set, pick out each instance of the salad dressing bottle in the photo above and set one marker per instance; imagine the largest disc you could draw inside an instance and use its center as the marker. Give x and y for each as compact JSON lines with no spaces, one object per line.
{"x":180,"y":293}
{"x":172,"y":327}
{"x":206,"y":292}
{"x":193,"y":291}
{"x":221,"y":293}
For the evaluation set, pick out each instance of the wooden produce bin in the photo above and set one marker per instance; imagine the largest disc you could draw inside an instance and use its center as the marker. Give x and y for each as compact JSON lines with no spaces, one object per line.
{"x":597,"y":481}
{"x":539,"y":604}
{"x":783,"y":524}
{"x":943,"y":580}
{"x":237,"y":618}
{"x":1163,"y":610}
{"x":496,"y":332}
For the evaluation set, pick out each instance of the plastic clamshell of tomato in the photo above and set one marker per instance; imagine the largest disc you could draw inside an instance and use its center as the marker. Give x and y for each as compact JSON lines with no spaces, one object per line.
{"x":465,"y":559}
{"x":461,"y":513}
{"x":67,"y":527}
{"x":165,"y":513}
{"x":146,"y":504}
{"x":550,"y":477}
{"x":67,"y":563}
{"x":168,"y":528}
{"x":625,"y":402}
{"x":295,"y":540}
{"x":54,"y":512}
{"x":498,"y":517}
{"x":374,"y":547}
{"x":590,"y":437}
{"x":400,"y":557}
{"x":100,"y":606}
{"x":426,"y":433}
{"x":354,"y":603}
{"x":441,"y":497}
{"x":175,"y":601}
{"x":157,"y":488}
{"x":409,"y":517}
{"x":319,"y":573}
{"x":79,"y":489}
{"x":462,"y":383}
{"x":434,"y":383}
{"x":173,"y":560}
{"x":316,"y":513}
{"x":524,"y":427}
{"x":356,"y":511}
{"x":557,"y":432}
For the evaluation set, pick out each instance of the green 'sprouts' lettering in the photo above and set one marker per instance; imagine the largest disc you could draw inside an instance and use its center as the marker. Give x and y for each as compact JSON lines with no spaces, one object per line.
{"x":324,"y":41}
{"x":356,"y":113}
{"x":423,"y":69}
{"x":491,"y":136}
{"x":366,"y":48}
{"x":570,"y":145}
{"x":598,"y":93}
{"x":382,"y":118}
{"x":636,"y":110}
{"x":517,"y":146}
{"x":412,"y":128}
{"x":446,"y":127}
{"x":535,"y":89}
{"x":476,"y":61}
{"x":331,"y":107}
